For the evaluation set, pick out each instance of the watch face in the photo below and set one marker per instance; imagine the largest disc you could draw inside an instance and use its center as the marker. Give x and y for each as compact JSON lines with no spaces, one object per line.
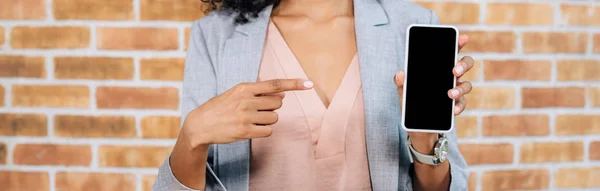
{"x":442,"y":150}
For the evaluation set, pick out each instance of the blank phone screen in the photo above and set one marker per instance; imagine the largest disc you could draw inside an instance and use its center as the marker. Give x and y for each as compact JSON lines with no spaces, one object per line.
{"x":429,"y":77}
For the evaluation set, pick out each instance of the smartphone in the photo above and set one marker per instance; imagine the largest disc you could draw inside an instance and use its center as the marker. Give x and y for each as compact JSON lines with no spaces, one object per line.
{"x":431,"y":52}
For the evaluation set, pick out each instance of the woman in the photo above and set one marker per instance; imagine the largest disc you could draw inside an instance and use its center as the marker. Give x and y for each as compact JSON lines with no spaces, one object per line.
{"x":304,"y":95}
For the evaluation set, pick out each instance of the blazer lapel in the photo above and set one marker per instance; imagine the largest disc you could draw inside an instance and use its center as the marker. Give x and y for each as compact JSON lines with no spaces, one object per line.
{"x":380,"y":59}
{"x":241,"y":57}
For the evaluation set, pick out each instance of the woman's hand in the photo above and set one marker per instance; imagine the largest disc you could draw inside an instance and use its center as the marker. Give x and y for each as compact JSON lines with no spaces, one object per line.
{"x":241,"y":113}
{"x":424,"y":142}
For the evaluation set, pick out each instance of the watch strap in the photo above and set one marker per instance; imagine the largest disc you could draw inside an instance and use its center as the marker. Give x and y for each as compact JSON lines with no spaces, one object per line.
{"x":422,"y":158}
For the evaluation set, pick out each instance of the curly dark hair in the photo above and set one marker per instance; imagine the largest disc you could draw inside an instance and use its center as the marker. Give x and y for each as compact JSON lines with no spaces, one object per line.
{"x":244,"y":9}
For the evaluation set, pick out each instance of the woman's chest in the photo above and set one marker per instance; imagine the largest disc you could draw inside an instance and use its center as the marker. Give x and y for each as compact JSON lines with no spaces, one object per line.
{"x":323,"y":51}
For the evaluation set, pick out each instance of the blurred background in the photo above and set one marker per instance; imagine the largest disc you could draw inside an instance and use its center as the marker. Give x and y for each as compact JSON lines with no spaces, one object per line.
{"x":89,"y":91}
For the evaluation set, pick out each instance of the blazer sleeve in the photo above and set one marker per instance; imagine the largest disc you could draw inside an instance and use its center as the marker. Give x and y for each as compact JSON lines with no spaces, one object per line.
{"x":199,"y":85}
{"x":458,"y":166}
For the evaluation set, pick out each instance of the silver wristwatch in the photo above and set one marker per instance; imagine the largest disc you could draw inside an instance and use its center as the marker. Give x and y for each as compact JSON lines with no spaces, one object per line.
{"x":439,"y":152}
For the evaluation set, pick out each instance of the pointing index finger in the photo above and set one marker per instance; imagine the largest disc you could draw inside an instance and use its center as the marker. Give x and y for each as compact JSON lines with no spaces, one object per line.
{"x":280,"y":85}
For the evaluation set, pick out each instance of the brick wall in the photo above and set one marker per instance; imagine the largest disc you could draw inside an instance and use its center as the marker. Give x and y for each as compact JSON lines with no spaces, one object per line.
{"x":89,"y":91}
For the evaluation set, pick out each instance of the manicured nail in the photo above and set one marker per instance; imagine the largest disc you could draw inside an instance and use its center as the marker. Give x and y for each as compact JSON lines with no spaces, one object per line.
{"x":456,"y":109}
{"x":454,"y":93}
{"x":459,"y":69}
{"x":308,"y":84}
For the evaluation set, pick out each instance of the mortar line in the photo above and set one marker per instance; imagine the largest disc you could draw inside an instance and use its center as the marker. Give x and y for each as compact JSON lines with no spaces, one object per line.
{"x":93,"y":102}
{"x":136,"y":10}
{"x":93,"y":38}
{"x":50,"y":124}
{"x":52,"y":177}
{"x":551,"y":171}
{"x":8,"y":99}
{"x":586,"y":151}
{"x":136,"y":68}
{"x":516,"y":153}
{"x":138,"y":126}
{"x":95,"y":156}
{"x":10,"y":148}
{"x":138,"y":182}
{"x":49,"y":11}
{"x":49,"y":66}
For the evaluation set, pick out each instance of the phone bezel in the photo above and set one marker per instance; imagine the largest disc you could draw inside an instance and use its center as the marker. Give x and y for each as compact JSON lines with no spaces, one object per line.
{"x":406,"y":79}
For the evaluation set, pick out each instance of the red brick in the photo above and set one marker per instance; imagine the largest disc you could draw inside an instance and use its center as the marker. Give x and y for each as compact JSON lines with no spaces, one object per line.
{"x":23,"y":125}
{"x":133,"y":156}
{"x":2,"y":92}
{"x":577,"y":177}
{"x":453,"y":12}
{"x":22,"y":66}
{"x":162,"y":69}
{"x":572,"y":97}
{"x":93,"y":68}
{"x":537,"y":152}
{"x":22,"y":9}
{"x":139,"y":98}
{"x":3,"y":153}
{"x":594,"y":96}
{"x":137,"y":38}
{"x":517,"y":70}
{"x":526,"y":179}
{"x":21,"y":181}
{"x":50,"y":96}
{"x":174,"y":10}
{"x":472,"y":181}
{"x":148,"y":182}
{"x":94,"y":126}
{"x":578,"y":70}
{"x":555,"y":42}
{"x":580,"y":15}
{"x":478,"y":154}
{"x":595,"y":150}
{"x":516,"y":125}
{"x":474,"y":74}
{"x":577,"y":124}
{"x":49,"y":154}
{"x":90,"y":10}
{"x":2,"y":31}
{"x":479,"y":41}
{"x":519,"y":14}
{"x":94,"y":181}
{"x":160,"y":127}
{"x":596,"y":44}
{"x":466,"y":126}
{"x":50,"y":37}
{"x":187,"y":36}
{"x":491,"y":98}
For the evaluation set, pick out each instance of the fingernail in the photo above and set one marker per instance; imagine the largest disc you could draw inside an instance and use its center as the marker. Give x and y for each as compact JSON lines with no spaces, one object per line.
{"x":459,"y":69}
{"x":308,"y":84}
{"x":456,"y":109}
{"x":454,"y":93}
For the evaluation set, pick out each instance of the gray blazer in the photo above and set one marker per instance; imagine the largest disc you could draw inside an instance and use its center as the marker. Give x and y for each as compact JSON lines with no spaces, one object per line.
{"x":222,"y":54}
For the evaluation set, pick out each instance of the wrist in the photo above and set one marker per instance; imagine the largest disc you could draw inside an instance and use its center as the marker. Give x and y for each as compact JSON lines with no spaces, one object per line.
{"x":424,"y":142}
{"x":195,"y":145}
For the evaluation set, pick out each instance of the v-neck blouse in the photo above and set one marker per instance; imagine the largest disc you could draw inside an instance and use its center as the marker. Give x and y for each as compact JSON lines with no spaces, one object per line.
{"x":312,"y":147}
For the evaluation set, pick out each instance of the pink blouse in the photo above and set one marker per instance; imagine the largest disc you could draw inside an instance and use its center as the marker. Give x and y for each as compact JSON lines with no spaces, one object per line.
{"x":312,"y":147}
